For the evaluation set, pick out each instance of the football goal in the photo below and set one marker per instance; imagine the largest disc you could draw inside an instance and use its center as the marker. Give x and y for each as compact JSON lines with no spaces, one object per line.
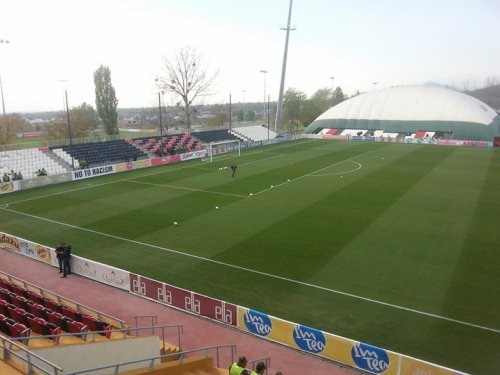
{"x":224,"y":147}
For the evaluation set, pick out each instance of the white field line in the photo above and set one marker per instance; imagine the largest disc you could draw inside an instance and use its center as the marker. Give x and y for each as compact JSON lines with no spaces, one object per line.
{"x":265,"y":274}
{"x":343,"y":172}
{"x":310,"y":174}
{"x":189,"y":189}
{"x":258,"y":161}
{"x":133,"y":178}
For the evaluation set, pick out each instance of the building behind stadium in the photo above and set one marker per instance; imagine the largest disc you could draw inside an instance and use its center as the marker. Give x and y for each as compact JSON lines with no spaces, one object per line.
{"x":413,"y":109}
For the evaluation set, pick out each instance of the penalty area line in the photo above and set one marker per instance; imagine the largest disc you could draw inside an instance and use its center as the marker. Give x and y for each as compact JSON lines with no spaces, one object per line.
{"x":265,"y":274}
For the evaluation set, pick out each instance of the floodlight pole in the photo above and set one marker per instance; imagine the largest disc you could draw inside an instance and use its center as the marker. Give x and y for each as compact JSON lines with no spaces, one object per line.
{"x":67,"y":114}
{"x":277,"y":125}
{"x":159,"y":111}
{"x":265,"y":75}
{"x":3,"y":41}
{"x":230,"y":113}
{"x":268,"y":98}
{"x":333,"y":96}
{"x":3,"y":102}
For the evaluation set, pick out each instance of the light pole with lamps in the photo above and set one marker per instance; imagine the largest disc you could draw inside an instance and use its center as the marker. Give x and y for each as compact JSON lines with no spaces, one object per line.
{"x":3,"y":41}
{"x":159,"y":111}
{"x":160,"y":93}
{"x":264,"y":72}
{"x":333,"y":96}
{"x":65,"y":81}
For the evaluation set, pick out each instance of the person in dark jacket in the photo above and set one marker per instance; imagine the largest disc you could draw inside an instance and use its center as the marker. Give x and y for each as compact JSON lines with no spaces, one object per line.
{"x":66,"y":260}
{"x":59,"y":255}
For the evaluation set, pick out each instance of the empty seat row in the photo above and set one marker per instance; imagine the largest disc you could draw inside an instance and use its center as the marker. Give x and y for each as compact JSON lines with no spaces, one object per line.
{"x":100,"y":152}
{"x":14,"y":329}
{"x":46,"y":308}
{"x":211,"y":136}
{"x":53,"y":325}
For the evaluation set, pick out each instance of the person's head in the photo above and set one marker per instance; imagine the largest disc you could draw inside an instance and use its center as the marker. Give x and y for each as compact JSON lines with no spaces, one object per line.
{"x":242,"y":361}
{"x":62,"y":244}
{"x":259,"y":369}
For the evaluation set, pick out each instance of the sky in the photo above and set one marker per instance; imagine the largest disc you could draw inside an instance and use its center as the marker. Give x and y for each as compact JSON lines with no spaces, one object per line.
{"x":56,"y":45}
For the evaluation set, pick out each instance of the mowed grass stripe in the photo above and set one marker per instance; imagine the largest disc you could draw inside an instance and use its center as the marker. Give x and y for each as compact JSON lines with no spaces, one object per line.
{"x":477,"y":273}
{"x":331,"y":222}
{"x":208,"y":232}
{"x":415,"y":241}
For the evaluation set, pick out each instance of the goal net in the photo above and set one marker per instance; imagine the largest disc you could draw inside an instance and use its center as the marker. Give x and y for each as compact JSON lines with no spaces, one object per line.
{"x":224,"y":147}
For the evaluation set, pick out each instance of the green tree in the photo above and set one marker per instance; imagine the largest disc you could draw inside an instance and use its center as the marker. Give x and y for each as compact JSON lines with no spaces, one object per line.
{"x":83,"y":119}
{"x":318,"y":103}
{"x":250,"y":115}
{"x":9,"y":126}
{"x":338,"y":96}
{"x":293,"y":101}
{"x":240,"y":114}
{"x":105,"y":99}
{"x":187,"y":76}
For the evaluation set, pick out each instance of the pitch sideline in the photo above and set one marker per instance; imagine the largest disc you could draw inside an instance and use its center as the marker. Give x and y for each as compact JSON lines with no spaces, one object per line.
{"x":354,"y":296}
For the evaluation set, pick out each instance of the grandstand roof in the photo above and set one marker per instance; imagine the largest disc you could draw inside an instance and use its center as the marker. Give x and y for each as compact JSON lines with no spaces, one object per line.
{"x":412,"y":108}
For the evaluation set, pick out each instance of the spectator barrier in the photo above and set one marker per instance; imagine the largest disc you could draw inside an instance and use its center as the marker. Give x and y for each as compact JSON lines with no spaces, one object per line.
{"x":348,"y":352}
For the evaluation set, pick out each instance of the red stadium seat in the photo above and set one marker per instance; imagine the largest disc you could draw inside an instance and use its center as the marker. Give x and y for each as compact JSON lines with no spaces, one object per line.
{"x":6,"y":294}
{"x":72,"y":313}
{"x":78,"y":329}
{"x":35,"y":297}
{"x":6,"y":284}
{"x":20,"y":301}
{"x":3,"y":325}
{"x":20,"y":315}
{"x":20,"y":291}
{"x":40,"y":326}
{"x":53,"y":305}
{"x":18,"y":330}
{"x":4,"y":307}
{"x":38,"y":310}
{"x":59,"y":320}
{"x":97,"y":325}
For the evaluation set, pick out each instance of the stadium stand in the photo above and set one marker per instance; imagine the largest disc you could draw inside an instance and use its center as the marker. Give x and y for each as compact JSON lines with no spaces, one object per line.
{"x":34,"y":332}
{"x":28,"y":162}
{"x":211,"y":136}
{"x":254,"y":133}
{"x":197,"y":332}
{"x":420,"y":134}
{"x":98,"y":153}
{"x":167,"y":145}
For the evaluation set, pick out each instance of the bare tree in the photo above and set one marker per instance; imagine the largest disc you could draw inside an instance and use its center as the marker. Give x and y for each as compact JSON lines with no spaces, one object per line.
{"x":492,"y":81}
{"x":187,"y":76}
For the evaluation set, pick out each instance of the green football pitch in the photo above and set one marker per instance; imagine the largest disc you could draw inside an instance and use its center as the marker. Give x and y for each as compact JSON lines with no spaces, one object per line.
{"x":394,"y":245}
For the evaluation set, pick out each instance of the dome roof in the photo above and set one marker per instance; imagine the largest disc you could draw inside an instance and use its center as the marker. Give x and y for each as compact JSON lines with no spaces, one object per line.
{"x":413,"y":103}
{"x":413,"y":108}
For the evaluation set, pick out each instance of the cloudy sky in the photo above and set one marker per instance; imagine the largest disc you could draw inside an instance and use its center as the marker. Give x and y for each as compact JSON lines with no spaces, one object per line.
{"x":358,"y":42}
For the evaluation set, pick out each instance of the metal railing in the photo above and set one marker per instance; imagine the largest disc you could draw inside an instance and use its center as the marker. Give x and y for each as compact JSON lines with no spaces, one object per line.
{"x":12,"y":349}
{"x":90,"y":336}
{"x":150,"y":362}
